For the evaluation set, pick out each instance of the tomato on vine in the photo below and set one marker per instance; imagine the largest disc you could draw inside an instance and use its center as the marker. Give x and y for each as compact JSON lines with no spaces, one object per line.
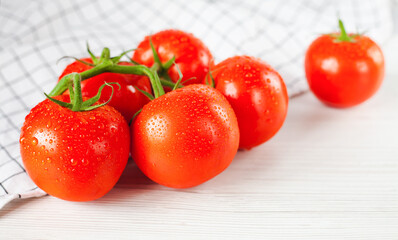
{"x":189,"y":53}
{"x":73,"y":147}
{"x":75,"y":150}
{"x":185,"y":137}
{"x":257,"y":94}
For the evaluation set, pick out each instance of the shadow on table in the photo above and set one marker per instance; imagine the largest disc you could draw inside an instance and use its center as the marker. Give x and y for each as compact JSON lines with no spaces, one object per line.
{"x":132,"y":176}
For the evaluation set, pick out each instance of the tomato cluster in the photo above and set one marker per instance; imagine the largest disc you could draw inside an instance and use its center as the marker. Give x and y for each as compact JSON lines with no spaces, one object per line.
{"x":76,"y":143}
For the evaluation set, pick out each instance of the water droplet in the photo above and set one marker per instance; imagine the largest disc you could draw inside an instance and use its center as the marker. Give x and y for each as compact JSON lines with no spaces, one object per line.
{"x":73,"y":162}
{"x":113,"y":129}
{"x":49,"y":160}
{"x":85,"y":162}
{"x":21,"y":140}
{"x":34,"y":141}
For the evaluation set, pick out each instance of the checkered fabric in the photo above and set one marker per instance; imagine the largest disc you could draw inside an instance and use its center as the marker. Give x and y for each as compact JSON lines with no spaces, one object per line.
{"x":34,"y":34}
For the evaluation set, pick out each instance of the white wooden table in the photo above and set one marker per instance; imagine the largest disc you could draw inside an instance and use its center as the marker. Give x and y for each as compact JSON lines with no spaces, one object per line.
{"x":328,"y":174}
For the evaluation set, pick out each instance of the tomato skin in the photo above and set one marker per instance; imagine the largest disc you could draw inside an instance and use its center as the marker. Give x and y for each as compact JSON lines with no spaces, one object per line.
{"x":257,"y":94}
{"x":128,"y":100}
{"x":191,"y":55}
{"x":185,"y":137}
{"x":344,"y":74}
{"x":75,"y":156}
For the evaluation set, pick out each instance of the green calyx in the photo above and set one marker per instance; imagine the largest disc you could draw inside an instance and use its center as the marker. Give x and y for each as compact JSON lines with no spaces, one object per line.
{"x":163,"y":68}
{"x":213,"y":82}
{"x":76,"y":103}
{"x":105,"y":63}
{"x":343,"y":36}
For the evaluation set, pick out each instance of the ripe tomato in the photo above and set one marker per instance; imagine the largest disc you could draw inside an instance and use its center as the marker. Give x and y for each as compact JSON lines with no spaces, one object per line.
{"x":128,"y":100}
{"x":191,"y":55}
{"x":185,"y":137}
{"x":76,"y":156}
{"x":344,"y":70}
{"x":257,"y":94}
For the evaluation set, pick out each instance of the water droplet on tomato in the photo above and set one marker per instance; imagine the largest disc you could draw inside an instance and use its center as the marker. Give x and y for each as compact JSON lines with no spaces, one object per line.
{"x":34,"y":141}
{"x":113,"y":129}
{"x":73,"y":162}
{"x":85,"y":162}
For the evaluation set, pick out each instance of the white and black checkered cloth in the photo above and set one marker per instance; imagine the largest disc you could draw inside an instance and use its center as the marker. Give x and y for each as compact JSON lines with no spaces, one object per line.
{"x":34,"y":34}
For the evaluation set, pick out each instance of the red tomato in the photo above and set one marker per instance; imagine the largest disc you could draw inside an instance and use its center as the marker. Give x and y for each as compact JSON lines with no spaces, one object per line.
{"x":257,"y":94}
{"x":344,"y":73}
{"x":191,"y":55}
{"x":128,"y":100}
{"x":76,"y":156}
{"x":185,"y":137}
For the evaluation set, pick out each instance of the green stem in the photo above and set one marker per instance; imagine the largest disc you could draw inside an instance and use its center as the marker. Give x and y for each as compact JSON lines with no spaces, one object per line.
{"x":106,"y":54}
{"x":344,"y":37}
{"x":164,"y":76}
{"x":106,"y":64}
{"x":167,"y":83}
{"x":156,"y":67}
{"x":63,"y":83}
{"x":77,"y":93}
{"x":141,"y":70}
